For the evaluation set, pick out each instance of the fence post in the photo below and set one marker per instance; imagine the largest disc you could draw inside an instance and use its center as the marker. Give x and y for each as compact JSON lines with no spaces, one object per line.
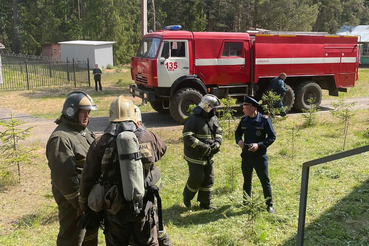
{"x":88,"y":72}
{"x":51,"y":72}
{"x":74,"y":73}
{"x":27,"y":74}
{"x":68,"y":70}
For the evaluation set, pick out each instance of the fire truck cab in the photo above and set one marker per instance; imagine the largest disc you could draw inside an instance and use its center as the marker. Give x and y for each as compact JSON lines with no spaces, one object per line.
{"x":174,"y":69}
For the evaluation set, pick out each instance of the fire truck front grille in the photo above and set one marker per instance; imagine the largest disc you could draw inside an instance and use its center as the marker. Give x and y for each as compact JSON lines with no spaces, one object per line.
{"x":141,"y":79}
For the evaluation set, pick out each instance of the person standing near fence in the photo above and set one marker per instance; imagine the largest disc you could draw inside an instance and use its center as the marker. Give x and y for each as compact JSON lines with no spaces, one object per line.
{"x":97,"y":76}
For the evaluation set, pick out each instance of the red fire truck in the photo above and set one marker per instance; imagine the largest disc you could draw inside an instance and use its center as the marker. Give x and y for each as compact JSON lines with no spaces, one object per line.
{"x":174,"y":69}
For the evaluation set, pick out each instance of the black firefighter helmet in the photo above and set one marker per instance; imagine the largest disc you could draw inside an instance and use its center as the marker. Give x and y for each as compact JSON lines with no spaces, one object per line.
{"x":75,"y":101}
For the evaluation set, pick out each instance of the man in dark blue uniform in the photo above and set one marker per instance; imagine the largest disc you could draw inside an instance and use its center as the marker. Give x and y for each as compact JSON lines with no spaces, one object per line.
{"x":278,"y":86}
{"x":258,"y":134}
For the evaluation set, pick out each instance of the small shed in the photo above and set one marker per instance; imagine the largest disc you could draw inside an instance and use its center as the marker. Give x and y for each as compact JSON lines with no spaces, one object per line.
{"x":51,"y":51}
{"x":1,"y":71}
{"x":98,"y":52}
{"x":363,"y":32}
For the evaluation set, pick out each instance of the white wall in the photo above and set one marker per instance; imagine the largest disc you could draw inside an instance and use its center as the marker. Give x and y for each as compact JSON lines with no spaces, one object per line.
{"x":104,"y":55}
{"x":97,"y":54}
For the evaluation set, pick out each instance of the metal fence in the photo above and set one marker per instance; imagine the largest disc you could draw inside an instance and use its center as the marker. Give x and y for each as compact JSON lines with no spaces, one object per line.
{"x":28,"y":72}
{"x":305,"y":180}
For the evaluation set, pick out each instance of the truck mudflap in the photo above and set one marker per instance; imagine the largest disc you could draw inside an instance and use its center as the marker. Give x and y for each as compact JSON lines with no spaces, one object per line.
{"x":145,"y":94}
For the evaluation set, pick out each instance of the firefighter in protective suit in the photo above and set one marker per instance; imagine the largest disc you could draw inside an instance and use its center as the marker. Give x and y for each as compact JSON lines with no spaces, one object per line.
{"x":152,"y":148}
{"x":66,"y":154}
{"x":123,"y":227}
{"x":202,"y":137}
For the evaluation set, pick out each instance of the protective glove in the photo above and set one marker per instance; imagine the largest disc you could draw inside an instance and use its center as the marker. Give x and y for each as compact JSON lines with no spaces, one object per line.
{"x":215,"y":148}
{"x":90,"y":220}
{"x":208,"y":151}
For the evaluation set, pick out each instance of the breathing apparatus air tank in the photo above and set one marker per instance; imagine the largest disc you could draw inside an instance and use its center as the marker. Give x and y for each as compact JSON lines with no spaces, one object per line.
{"x":131,"y":168}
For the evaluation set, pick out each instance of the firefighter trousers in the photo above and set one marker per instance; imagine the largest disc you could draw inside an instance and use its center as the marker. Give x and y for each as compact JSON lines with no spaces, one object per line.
{"x":69,"y":233}
{"x":201,"y":180}
{"x":125,"y":229}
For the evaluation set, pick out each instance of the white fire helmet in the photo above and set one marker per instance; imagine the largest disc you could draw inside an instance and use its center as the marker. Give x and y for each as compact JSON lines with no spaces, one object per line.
{"x":209,"y":102}
{"x":122,"y":110}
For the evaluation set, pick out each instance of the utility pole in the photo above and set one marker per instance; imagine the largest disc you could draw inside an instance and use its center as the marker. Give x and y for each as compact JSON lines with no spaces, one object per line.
{"x":153,"y":16}
{"x":143,"y":17}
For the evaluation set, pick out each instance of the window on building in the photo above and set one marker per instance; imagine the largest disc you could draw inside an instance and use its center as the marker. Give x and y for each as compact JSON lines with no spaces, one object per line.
{"x":365,"y":49}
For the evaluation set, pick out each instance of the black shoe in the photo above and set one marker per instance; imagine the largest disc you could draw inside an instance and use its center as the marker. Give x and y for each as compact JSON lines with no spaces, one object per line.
{"x":207,"y":206}
{"x":270,"y":209}
{"x":187,"y":203}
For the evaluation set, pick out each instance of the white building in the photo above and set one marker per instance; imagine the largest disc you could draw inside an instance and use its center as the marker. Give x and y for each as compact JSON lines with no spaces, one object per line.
{"x":362,"y":31}
{"x":98,"y":52}
{"x":1,"y":71}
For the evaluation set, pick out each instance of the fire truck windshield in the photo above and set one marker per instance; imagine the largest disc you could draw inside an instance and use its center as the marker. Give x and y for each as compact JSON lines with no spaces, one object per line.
{"x":148,"y":47}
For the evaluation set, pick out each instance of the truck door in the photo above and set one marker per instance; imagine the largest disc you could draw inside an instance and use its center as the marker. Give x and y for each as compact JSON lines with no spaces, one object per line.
{"x":232,"y":67}
{"x":173,"y":62}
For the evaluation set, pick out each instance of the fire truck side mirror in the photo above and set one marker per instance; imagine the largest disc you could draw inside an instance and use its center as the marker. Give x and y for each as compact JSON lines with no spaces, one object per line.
{"x":162,"y":60}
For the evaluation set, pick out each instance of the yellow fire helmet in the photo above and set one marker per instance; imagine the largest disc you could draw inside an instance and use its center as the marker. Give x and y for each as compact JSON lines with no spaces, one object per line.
{"x":75,"y":101}
{"x":122,"y":110}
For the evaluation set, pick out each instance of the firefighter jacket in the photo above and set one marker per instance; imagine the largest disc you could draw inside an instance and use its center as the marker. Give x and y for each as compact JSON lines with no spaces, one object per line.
{"x":199,"y":134}
{"x":66,"y":153}
{"x":101,"y":150}
{"x":152,"y":148}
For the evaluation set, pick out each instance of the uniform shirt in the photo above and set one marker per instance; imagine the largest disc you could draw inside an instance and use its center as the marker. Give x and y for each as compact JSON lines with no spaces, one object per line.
{"x":66,"y":152}
{"x":258,"y":130}
{"x":278,"y":86}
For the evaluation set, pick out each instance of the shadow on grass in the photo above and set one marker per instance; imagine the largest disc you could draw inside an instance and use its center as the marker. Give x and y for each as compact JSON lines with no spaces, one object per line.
{"x":347,"y":223}
{"x":194,"y":215}
{"x":28,"y":220}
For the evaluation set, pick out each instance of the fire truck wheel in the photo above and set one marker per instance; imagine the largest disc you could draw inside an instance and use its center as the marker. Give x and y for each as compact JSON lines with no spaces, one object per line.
{"x":158,"y":106}
{"x":181,"y":101}
{"x":304,"y":92}
{"x":289,"y":98}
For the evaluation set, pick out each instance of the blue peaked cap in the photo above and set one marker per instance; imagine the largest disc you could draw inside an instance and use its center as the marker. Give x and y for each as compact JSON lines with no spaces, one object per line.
{"x":250,"y":101}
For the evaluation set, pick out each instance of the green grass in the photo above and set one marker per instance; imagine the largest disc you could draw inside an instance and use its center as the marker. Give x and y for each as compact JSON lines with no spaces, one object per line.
{"x":338,"y":195}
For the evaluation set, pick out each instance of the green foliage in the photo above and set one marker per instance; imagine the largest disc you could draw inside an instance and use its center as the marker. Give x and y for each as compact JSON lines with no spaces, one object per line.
{"x":10,"y":148}
{"x":109,"y":66}
{"x":270,"y":98}
{"x":41,"y":22}
{"x":231,"y":173}
{"x":344,"y":112}
{"x":310,"y":115}
{"x":253,"y":206}
{"x":227,"y":117}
